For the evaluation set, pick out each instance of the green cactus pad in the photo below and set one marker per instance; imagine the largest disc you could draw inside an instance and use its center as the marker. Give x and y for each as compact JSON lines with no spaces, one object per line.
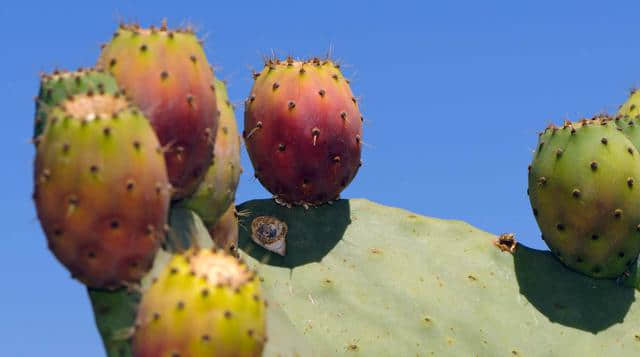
{"x":381,"y":281}
{"x":362,"y":278}
{"x":584,"y":188}
{"x":59,"y":85}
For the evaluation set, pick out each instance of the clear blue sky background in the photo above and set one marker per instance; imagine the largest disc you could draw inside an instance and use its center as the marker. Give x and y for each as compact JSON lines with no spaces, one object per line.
{"x":454,"y":93}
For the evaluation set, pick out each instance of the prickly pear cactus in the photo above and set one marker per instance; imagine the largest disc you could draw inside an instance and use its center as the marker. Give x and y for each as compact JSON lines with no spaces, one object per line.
{"x":204,"y":303}
{"x":303,"y":130}
{"x":217,"y":191}
{"x":584,"y":191}
{"x":60,"y":85}
{"x":362,"y":278}
{"x":630,"y":107}
{"x":101,"y":189}
{"x":167,"y":75}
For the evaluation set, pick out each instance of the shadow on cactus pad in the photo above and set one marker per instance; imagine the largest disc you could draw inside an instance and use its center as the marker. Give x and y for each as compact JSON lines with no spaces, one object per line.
{"x":567,"y":297}
{"x":310,"y":236}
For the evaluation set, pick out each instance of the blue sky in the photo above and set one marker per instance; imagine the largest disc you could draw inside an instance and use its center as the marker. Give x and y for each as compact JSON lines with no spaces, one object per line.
{"x":453,"y":92}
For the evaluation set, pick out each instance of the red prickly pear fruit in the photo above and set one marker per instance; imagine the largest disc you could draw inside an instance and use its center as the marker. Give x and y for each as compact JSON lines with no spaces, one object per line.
{"x":218,"y":188}
{"x":101,"y":189}
{"x":303,"y":129}
{"x":225,"y":232}
{"x":166,"y":74}
{"x":204,"y":303}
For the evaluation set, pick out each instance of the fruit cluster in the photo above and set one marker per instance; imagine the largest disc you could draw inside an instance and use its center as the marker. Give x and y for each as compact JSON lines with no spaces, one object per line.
{"x":149,"y":129}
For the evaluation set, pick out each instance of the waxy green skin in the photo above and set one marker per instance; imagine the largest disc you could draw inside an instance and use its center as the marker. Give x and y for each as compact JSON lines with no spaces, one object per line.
{"x":217,"y":191}
{"x":584,"y":186}
{"x":59,"y":85}
{"x":360,"y":278}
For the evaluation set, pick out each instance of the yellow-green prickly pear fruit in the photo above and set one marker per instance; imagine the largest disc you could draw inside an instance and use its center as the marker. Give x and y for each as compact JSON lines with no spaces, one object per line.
{"x":204,"y":303}
{"x":584,"y":188}
{"x":632,"y":106}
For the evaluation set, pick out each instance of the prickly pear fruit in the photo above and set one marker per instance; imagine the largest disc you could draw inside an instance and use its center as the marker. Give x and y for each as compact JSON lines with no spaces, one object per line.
{"x":631,"y":106}
{"x":629,"y":126}
{"x":217,"y":191}
{"x":59,"y":85}
{"x":303,"y":129}
{"x":584,"y":191}
{"x":204,"y":303}
{"x":225,"y":232}
{"x":101,"y":189}
{"x":167,"y":75}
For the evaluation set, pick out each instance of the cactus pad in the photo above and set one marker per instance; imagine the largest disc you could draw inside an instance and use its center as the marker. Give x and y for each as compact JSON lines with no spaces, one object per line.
{"x":362,"y":278}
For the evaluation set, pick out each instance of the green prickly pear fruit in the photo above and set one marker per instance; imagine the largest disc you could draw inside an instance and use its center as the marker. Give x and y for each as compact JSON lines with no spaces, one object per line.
{"x":101,"y":189}
{"x":225,"y":232}
{"x":629,"y":126}
{"x":584,"y":191}
{"x":631,"y":106}
{"x":59,"y":85}
{"x":166,"y":74}
{"x":204,"y":303}
{"x":217,"y":191}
